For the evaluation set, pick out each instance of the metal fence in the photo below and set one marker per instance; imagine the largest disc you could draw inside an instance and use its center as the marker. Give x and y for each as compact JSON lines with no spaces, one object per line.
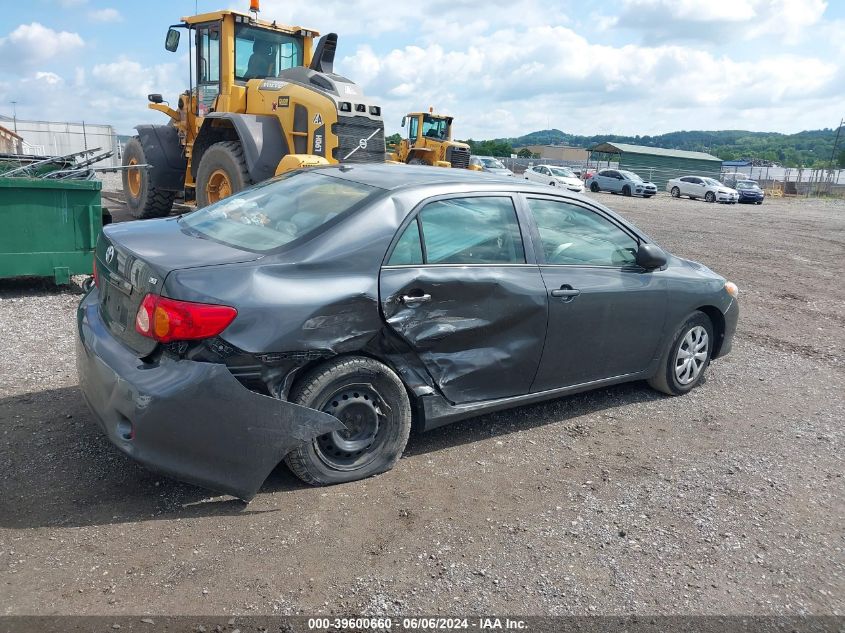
{"x":794,"y":181}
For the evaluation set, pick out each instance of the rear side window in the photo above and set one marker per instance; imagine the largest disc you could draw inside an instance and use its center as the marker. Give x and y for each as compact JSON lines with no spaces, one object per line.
{"x":278,"y":211}
{"x":573,"y":235}
{"x":408,"y":250}
{"x":478,"y":230}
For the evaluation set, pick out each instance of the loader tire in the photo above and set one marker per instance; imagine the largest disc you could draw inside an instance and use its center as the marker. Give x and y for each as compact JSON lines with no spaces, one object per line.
{"x":222,"y":172}
{"x":143,"y":200}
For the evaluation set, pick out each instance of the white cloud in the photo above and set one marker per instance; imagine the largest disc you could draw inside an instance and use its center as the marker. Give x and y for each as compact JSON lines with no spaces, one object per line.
{"x":718,"y":21}
{"x":105,"y":15}
{"x":33,"y":44}
{"x":513,"y":81}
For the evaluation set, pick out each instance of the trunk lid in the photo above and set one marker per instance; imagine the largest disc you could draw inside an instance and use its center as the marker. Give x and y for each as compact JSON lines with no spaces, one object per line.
{"x":134,"y":258}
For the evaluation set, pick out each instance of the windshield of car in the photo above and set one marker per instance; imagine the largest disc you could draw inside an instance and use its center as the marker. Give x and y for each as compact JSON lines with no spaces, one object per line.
{"x":631,"y":176}
{"x":263,"y":53}
{"x":278,"y":211}
{"x":746,"y":184}
{"x":563,"y":172}
{"x":492,"y":163}
{"x":712,"y":182}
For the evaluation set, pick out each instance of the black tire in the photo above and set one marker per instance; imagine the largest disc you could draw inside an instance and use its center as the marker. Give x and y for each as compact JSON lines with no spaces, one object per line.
{"x":626,"y":191}
{"x":417,"y":161}
{"x":665,"y":379}
{"x":759,"y":202}
{"x":648,"y":196}
{"x":226,"y":156}
{"x":146,"y":201}
{"x":353,"y":388}
{"x":710,"y":197}
{"x":594,"y":187}
{"x":676,"y":193}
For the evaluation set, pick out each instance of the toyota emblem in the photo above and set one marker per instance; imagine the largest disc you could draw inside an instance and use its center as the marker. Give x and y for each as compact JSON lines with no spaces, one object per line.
{"x":109,"y":254}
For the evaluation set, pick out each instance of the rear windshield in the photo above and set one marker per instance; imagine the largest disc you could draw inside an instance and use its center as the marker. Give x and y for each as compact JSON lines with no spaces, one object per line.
{"x":278,"y":211}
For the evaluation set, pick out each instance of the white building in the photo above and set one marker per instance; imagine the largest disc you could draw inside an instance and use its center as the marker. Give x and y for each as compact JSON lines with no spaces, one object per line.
{"x":51,"y":138}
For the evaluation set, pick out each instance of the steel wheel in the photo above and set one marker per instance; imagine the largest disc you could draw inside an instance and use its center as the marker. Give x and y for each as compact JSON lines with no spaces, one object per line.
{"x":361,"y":409}
{"x":133,"y":178}
{"x":692,"y":355}
{"x":218,"y":186}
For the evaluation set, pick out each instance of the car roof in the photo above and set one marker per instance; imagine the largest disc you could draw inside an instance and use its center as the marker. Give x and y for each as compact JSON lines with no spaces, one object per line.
{"x":392,"y":176}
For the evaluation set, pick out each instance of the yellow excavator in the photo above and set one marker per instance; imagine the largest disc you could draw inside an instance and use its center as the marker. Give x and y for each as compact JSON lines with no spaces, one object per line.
{"x":262,"y":100}
{"x":428,"y":141}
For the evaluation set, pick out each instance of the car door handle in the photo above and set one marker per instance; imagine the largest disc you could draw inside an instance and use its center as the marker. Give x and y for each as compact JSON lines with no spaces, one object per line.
{"x":566,"y":292}
{"x":412,"y":300}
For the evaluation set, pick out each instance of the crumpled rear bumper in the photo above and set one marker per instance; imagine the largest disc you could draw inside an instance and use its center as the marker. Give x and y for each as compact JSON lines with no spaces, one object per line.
{"x":189,"y":420}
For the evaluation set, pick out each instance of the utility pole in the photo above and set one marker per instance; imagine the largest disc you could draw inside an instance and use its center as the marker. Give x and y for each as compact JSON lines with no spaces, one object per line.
{"x":15,"y":115}
{"x":833,"y":155}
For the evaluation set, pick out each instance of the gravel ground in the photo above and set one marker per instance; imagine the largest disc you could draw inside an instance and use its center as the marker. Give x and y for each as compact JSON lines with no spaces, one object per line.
{"x":726,"y":501}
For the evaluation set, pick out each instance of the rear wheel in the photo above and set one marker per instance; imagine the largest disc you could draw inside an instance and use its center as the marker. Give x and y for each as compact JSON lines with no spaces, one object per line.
{"x":594,"y":187}
{"x":710,"y":196}
{"x":222,"y":172}
{"x":370,"y":399}
{"x":684,"y":362}
{"x":626,"y":190}
{"x":676,"y":193}
{"x":144,"y":200}
{"x":416,"y":161}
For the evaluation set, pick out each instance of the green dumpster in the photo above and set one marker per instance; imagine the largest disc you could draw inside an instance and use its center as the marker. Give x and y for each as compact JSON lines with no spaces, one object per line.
{"x":49,"y":227}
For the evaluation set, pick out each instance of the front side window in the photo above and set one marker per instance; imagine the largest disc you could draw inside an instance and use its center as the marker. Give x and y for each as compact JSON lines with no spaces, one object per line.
{"x":260,"y":53}
{"x":573,"y":235}
{"x":476,"y":230}
{"x":563,"y":172}
{"x":278,"y":211}
{"x":412,"y":128}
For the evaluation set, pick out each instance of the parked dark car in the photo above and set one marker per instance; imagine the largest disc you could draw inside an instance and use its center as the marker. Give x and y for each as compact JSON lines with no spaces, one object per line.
{"x":317,"y":317}
{"x":749,"y":192}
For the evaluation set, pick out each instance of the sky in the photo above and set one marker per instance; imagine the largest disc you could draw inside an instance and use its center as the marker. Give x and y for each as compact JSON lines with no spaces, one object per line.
{"x":501,"y":67}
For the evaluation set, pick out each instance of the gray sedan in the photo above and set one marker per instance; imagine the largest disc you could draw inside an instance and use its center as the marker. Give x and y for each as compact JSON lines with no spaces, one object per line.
{"x":315,"y":318}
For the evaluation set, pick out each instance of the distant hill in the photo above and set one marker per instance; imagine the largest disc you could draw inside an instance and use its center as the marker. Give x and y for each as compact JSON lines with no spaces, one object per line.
{"x":809,"y":148}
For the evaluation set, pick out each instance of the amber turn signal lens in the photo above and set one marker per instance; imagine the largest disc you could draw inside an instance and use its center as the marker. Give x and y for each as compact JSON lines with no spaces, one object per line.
{"x":732,"y":289}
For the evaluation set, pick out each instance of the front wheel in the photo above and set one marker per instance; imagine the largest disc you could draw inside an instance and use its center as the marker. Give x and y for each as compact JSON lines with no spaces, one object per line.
{"x":710,"y":196}
{"x":367,"y":397}
{"x":594,"y":187}
{"x":626,"y":190}
{"x":684,"y":362}
{"x":676,"y":193}
{"x":222,"y":172}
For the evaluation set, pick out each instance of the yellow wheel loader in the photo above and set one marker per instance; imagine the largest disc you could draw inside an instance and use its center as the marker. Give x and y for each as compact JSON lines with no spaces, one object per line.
{"x":261,"y":100}
{"x":429,"y":142}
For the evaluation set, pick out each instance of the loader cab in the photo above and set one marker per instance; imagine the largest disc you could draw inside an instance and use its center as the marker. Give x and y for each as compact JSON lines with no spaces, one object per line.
{"x":431,"y":126}
{"x":228,"y":49}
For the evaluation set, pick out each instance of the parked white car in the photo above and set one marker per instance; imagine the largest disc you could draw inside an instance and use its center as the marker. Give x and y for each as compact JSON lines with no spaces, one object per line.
{"x":620,"y":181}
{"x":702,"y":187}
{"x":555,"y":176}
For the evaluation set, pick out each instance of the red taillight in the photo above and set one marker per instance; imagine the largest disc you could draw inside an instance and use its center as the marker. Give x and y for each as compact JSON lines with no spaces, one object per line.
{"x":96,"y":274}
{"x":168,"y":320}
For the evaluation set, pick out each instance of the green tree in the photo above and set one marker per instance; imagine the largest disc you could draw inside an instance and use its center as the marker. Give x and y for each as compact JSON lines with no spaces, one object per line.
{"x":393,"y":138}
{"x":525,"y":153}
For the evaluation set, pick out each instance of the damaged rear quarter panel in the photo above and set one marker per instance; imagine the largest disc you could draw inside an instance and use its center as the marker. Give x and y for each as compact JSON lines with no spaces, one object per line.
{"x":319,"y":295}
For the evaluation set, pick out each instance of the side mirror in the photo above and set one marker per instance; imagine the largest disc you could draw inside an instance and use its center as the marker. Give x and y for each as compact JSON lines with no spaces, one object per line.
{"x":155,"y":98}
{"x":171,"y":42}
{"x":403,"y":121}
{"x":650,"y":256}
